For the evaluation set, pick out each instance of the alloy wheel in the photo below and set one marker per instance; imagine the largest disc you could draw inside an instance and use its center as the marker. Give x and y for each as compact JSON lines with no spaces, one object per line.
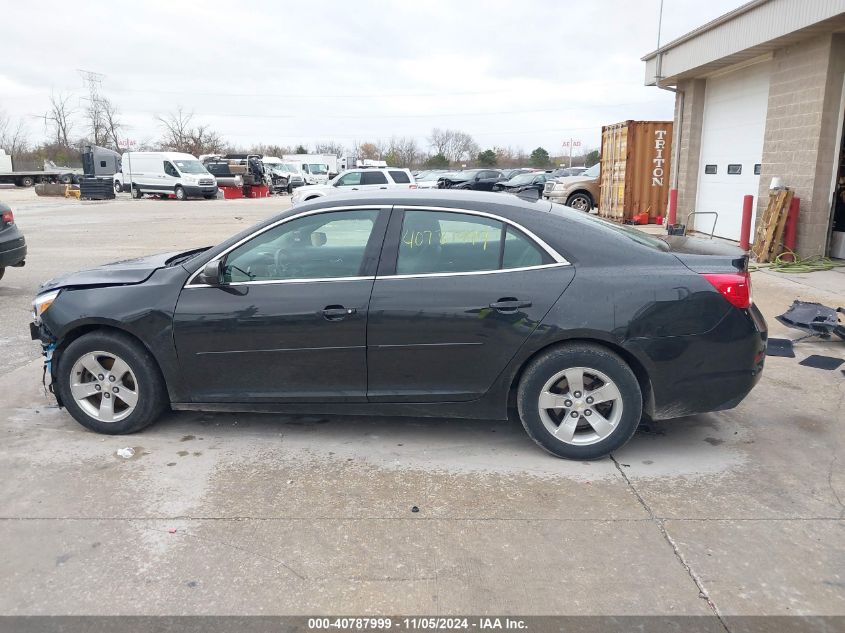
{"x":104,"y":386}
{"x":580,"y":406}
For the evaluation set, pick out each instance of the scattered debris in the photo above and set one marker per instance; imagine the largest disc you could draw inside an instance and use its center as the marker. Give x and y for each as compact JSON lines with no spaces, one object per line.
{"x":767,"y":243}
{"x":813,"y":318}
{"x":822,"y":362}
{"x":780,"y":347}
{"x":415,"y":509}
{"x":126,"y":453}
{"x":172,"y":530}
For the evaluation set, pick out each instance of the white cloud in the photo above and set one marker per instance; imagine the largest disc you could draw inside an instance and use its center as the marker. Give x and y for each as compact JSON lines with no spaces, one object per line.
{"x":511,"y":73}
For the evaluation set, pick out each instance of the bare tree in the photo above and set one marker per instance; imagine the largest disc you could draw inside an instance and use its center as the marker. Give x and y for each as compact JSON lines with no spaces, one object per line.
{"x":59,"y":119}
{"x":330,"y":147}
{"x":440,"y":141}
{"x":13,"y":137}
{"x":455,"y":145}
{"x":181,"y":135}
{"x":111,"y":122}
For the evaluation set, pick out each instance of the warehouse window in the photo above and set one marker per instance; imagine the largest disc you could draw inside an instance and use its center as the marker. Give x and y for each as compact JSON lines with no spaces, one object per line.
{"x":710,"y":169}
{"x":734,"y":170}
{"x":757,"y":169}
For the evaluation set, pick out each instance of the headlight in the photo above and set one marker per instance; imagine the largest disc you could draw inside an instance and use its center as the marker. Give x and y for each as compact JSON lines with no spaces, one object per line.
{"x":42,"y":302}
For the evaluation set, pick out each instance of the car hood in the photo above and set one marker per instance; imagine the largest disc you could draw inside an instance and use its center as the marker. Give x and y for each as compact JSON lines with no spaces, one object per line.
{"x":122,"y":273}
{"x":571,"y":180}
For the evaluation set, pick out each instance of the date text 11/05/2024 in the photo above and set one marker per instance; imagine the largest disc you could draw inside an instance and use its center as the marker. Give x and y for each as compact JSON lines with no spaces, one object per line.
{"x":417,"y":623}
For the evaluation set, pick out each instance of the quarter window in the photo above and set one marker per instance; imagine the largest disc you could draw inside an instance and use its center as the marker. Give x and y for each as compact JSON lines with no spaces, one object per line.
{"x":321,"y":246}
{"x":399,"y":177}
{"x":443,"y":242}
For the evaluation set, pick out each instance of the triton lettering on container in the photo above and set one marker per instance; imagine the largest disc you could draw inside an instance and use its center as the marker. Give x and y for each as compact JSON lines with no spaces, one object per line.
{"x":635,"y":159}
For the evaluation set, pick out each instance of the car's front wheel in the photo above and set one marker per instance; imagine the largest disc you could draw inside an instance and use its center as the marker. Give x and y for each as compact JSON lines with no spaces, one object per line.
{"x":110,"y":384}
{"x":180,"y":193}
{"x":579,"y":401}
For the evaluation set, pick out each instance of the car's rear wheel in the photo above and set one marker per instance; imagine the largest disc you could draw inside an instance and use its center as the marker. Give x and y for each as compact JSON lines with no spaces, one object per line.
{"x":136,"y":192}
{"x":580,"y":202}
{"x":118,"y":187}
{"x":579,"y":401}
{"x":110,"y":384}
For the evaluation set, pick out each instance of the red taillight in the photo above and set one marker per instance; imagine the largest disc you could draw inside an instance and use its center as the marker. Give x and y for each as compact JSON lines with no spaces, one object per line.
{"x":412,"y":186}
{"x":8,"y":217}
{"x":735,"y":287}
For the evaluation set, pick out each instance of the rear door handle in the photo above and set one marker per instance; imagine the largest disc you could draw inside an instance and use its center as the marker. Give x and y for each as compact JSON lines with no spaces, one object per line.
{"x":337,"y":313}
{"x":382,"y":187}
{"x":508,"y":304}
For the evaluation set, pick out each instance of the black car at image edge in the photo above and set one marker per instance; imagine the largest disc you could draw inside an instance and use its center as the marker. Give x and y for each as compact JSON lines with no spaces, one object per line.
{"x":12,"y":242}
{"x":422,"y":303}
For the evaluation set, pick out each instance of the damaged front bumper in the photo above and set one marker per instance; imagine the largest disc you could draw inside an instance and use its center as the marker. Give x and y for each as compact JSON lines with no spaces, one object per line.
{"x":39,"y":332}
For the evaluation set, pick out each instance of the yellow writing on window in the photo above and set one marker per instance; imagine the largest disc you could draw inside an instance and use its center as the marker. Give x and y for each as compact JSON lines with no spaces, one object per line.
{"x":475,"y":237}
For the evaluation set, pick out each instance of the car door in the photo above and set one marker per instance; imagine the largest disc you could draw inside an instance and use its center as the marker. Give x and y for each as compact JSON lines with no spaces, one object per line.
{"x":287,"y":323}
{"x":169,"y":177}
{"x":456,"y":294}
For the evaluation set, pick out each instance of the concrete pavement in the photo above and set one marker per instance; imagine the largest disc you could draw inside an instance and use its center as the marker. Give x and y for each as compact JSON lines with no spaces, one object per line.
{"x":738,"y":513}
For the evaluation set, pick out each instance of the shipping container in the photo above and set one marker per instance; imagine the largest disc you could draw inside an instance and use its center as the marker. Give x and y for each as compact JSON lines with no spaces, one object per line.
{"x":634,"y":177}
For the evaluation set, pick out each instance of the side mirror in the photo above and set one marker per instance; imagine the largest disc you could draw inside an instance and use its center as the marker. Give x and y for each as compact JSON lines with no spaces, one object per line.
{"x":212,"y":273}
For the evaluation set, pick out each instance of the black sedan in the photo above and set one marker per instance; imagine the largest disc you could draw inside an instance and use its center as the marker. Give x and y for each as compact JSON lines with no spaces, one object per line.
{"x":532,"y":181}
{"x":475,"y":179}
{"x":421,"y":303}
{"x":12,"y":242}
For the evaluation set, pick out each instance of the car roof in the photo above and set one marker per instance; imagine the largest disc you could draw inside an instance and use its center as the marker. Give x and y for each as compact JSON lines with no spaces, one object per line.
{"x":458,"y":198}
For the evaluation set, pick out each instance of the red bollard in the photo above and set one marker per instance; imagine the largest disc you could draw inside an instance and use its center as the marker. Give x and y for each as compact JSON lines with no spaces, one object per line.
{"x":745,"y":230}
{"x":673,"y":207}
{"x":790,"y":231}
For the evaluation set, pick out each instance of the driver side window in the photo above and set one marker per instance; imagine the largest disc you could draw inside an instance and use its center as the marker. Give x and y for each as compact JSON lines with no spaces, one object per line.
{"x":320,"y":246}
{"x":170,"y":170}
{"x":352,"y":178}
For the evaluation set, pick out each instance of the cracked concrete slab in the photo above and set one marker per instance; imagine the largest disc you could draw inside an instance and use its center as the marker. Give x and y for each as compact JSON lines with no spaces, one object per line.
{"x":309,"y":515}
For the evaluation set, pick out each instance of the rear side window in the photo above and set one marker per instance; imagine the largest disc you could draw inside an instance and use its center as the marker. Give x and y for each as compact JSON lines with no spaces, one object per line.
{"x":373,"y":178}
{"x":443,"y":242}
{"x":399,"y":177}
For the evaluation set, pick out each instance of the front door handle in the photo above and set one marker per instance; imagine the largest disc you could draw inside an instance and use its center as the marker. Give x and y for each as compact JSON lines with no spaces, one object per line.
{"x":509,"y":304}
{"x":337,"y":313}
{"x":382,"y":187}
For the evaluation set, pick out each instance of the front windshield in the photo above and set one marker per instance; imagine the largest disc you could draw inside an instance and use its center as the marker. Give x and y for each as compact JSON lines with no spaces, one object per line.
{"x":190,"y":166}
{"x":315,"y":168}
{"x":430,"y":176}
{"x":290,"y":167}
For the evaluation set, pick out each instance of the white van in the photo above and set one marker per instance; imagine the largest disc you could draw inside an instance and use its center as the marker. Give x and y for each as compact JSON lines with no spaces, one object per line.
{"x":314,"y":167}
{"x":164,"y":173}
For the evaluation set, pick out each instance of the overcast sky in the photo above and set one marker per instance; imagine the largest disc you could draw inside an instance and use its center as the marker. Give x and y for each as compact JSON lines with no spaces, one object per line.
{"x":520,"y":73}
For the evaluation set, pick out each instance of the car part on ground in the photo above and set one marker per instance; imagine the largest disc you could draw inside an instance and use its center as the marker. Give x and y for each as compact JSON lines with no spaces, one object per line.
{"x":322,"y":303}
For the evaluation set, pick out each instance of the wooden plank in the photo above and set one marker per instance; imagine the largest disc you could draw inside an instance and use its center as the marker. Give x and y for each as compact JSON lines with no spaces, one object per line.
{"x":777,"y":241}
{"x":771,"y":225}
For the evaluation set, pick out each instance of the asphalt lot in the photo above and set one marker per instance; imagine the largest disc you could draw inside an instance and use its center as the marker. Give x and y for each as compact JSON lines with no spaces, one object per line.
{"x":739,"y":512}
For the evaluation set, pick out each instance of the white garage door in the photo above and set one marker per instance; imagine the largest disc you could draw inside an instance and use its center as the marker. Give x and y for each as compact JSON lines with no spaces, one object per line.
{"x":735,"y":106}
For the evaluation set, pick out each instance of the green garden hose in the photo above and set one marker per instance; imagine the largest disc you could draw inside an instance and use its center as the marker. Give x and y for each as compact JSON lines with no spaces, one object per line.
{"x":798,"y":264}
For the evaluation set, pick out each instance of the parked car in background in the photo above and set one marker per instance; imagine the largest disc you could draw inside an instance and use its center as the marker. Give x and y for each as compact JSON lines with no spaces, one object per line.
{"x":475,"y":179}
{"x":289,"y":169}
{"x":535,"y":181}
{"x":368,"y":179}
{"x":579,"y":192}
{"x":164,"y":173}
{"x":510,"y":173}
{"x":12,"y":242}
{"x":428,"y":179}
{"x":437,"y":303}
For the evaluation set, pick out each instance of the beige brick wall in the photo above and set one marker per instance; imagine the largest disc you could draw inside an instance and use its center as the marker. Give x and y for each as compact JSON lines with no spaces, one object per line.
{"x":799,"y":143}
{"x":689,"y":143}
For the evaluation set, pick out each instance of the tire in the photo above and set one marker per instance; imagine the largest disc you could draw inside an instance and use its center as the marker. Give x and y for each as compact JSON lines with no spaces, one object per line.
{"x":66,"y":179}
{"x":142,"y":377}
{"x":616,"y":419}
{"x":118,"y":188}
{"x":210,"y":196}
{"x":290,"y":190}
{"x":137,"y":193}
{"x":27,"y":181}
{"x":180,"y":193}
{"x":580,"y":202}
